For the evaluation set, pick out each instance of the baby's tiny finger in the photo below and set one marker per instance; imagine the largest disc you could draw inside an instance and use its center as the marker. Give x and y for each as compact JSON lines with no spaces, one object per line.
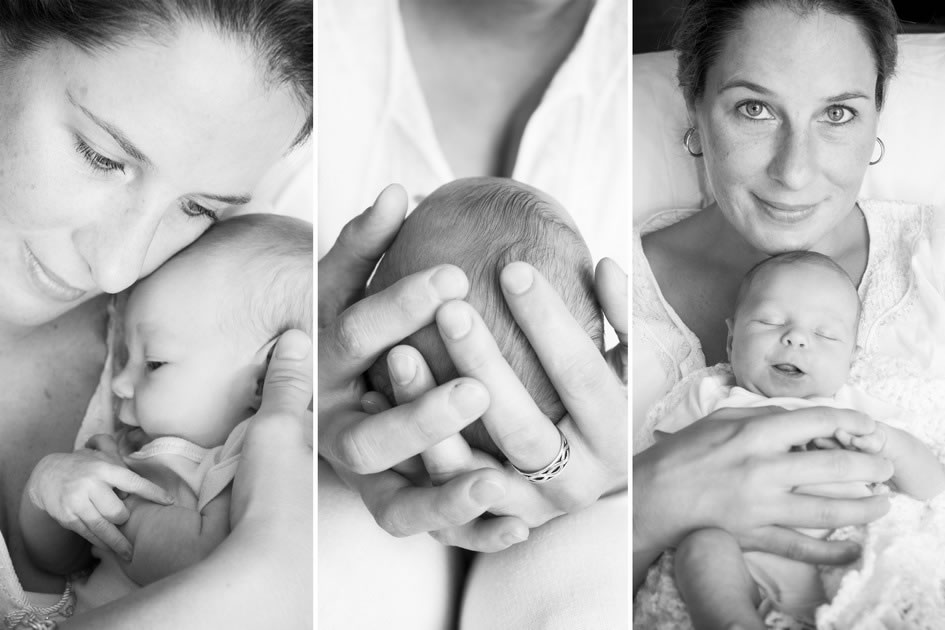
{"x":110,"y":506}
{"x":484,"y":535}
{"x":133,"y":483}
{"x":109,"y":536}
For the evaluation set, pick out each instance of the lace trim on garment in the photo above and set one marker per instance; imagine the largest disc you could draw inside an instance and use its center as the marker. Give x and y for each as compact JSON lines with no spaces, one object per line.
{"x":889,"y":294}
{"x":31,"y":617}
{"x":654,"y":320}
{"x":884,"y":289}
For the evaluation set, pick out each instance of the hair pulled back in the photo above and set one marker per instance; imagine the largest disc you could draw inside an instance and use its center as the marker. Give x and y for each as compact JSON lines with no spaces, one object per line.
{"x":705,"y":26}
{"x":279,"y":32}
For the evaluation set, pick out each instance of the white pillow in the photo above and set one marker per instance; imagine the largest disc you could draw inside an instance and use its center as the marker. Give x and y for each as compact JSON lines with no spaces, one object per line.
{"x":912,"y":125}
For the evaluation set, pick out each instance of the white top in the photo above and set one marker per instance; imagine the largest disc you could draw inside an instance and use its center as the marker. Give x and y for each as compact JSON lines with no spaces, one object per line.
{"x":901,"y":362}
{"x":902,"y":326}
{"x":376,"y":127}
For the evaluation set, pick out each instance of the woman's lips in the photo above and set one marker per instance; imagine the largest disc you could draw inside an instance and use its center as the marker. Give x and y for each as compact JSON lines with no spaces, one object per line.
{"x":784,"y":212}
{"x":47,"y":282}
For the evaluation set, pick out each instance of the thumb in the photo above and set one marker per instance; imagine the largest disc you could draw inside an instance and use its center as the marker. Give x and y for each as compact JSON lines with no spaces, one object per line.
{"x":345,"y":269}
{"x":287,"y":389}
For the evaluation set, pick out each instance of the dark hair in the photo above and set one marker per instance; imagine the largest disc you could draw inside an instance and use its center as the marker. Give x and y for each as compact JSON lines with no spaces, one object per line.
{"x":279,"y":31}
{"x":706,"y":24}
{"x":269,"y":257}
{"x":793,"y":258}
{"x":481,"y":225}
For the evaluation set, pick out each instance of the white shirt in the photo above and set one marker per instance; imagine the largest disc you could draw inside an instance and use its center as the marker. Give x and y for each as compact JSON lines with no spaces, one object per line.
{"x":375,"y":128}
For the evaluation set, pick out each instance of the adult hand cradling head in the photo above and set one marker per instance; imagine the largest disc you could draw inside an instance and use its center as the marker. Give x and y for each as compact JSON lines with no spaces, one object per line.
{"x":126,"y":130}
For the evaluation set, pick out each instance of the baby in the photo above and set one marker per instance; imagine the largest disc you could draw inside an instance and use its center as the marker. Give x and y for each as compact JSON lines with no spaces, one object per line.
{"x":791,"y":344}
{"x":480,"y":225}
{"x":198,"y":333}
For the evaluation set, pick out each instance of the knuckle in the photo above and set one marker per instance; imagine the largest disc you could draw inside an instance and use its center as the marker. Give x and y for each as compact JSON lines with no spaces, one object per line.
{"x":825,"y":515}
{"x":350,"y":453}
{"x":351,"y":337}
{"x":839,"y":463}
{"x":412,"y":304}
{"x":520,"y":440}
{"x":583,"y":379}
{"x":796,"y":549}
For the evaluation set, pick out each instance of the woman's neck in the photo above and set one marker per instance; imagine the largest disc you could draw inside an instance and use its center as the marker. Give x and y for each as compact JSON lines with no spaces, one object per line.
{"x":498,"y":17}
{"x":847,"y":243}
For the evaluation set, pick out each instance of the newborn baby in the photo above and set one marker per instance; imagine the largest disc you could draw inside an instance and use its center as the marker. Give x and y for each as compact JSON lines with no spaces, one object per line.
{"x":481,"y":225}
{"x":791,"y":344}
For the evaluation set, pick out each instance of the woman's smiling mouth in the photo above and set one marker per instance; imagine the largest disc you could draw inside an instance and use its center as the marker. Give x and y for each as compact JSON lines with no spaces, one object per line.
{"x":47,"y":282}
{"x":785,"y":213}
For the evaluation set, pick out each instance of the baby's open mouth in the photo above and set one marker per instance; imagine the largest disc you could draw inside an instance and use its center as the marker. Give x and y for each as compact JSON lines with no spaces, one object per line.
{"x":788,"y":369}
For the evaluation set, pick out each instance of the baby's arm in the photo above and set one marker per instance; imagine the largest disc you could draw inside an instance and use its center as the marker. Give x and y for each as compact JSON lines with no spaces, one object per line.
{"x":715,"y":583}
{"x":168,"y":539}
{"x":70,"y":497}
{"x":918,"y":472}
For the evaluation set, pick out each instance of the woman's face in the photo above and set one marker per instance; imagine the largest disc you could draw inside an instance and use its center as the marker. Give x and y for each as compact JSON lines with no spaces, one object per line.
{"x":111,"y":162}
{"x":788,"y":123}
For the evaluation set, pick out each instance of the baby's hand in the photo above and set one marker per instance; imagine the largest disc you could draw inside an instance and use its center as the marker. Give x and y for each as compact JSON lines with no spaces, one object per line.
{"x":78,"y":491}
{"x":869,"y":443}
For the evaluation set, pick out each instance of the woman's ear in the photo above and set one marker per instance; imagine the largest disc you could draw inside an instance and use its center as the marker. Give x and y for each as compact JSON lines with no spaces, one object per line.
{"x":261,"y":364}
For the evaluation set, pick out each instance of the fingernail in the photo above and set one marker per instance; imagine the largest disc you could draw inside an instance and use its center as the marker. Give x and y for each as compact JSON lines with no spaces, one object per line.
{"x":293,"y":345}
{"x":486,"y":492}
{"x":168,"y":499}
{"x":402,"y":367}
{"x":469,"y":400}
{"x":126,"y":555}
{"x":454,"y":321}
{"x":514,"y":537}
{"x":449,"y":282}
{"x":517,"y":278}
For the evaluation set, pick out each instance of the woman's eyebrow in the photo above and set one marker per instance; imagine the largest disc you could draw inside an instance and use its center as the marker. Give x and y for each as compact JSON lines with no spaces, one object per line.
{"x":126,"y":145}
{"x":736,"y":83}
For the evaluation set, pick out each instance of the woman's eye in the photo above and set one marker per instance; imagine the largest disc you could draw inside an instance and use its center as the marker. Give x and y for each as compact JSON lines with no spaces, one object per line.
{"x":153,"y":365}
{"x":95,"y":159}
{"x":194,"y":209}
{"x":838,"y":114}
{"x":755,"y":110}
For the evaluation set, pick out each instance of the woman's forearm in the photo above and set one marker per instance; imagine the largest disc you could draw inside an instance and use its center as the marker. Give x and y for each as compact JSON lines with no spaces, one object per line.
{"x":256,"y":578}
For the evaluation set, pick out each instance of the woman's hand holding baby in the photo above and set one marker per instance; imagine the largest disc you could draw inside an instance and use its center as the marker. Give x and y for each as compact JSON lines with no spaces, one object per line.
{"x":79,"y":489}
{"x":353,"y":332}
{"x":737,"y":472}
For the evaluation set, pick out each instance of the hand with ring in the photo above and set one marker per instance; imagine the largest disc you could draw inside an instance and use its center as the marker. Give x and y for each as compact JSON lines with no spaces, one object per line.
{"x":362,"y":449}
{"x":551,"y":469}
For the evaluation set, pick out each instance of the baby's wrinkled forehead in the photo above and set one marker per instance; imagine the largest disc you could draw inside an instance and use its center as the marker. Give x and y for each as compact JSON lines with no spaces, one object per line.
{"x":784,"y":283}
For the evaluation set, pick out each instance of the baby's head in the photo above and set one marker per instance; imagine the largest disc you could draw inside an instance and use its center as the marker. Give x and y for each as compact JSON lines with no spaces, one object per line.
{"x":198,"y":331}
{"x":481,"y":225}
{"x":794,"y":329}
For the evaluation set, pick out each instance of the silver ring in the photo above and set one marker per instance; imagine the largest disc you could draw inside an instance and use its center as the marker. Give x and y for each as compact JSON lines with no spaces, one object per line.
{"x":553,"y":469}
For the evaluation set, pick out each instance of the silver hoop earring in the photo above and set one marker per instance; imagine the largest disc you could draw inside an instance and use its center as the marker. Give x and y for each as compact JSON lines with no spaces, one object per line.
{"x":882,"y":151}
{"x":687,"y":138}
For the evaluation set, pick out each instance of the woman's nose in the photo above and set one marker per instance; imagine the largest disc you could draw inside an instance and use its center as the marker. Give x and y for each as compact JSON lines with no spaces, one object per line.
{"x":794,"y":337}
{"x":116,"y":247}
{"x":793,"y":162}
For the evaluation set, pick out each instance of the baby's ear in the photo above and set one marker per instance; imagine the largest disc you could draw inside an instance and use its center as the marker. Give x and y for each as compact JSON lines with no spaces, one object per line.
{"x":730,"y":324}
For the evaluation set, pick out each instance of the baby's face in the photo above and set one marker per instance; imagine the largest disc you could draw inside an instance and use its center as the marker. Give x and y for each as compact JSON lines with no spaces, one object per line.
{"x":795,"y":332}
{"x":184,"y":376}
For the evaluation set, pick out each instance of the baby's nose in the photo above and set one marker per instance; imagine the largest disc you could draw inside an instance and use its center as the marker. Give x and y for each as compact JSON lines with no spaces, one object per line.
{"x":122,"y":384}
{"x":795,"y":337}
